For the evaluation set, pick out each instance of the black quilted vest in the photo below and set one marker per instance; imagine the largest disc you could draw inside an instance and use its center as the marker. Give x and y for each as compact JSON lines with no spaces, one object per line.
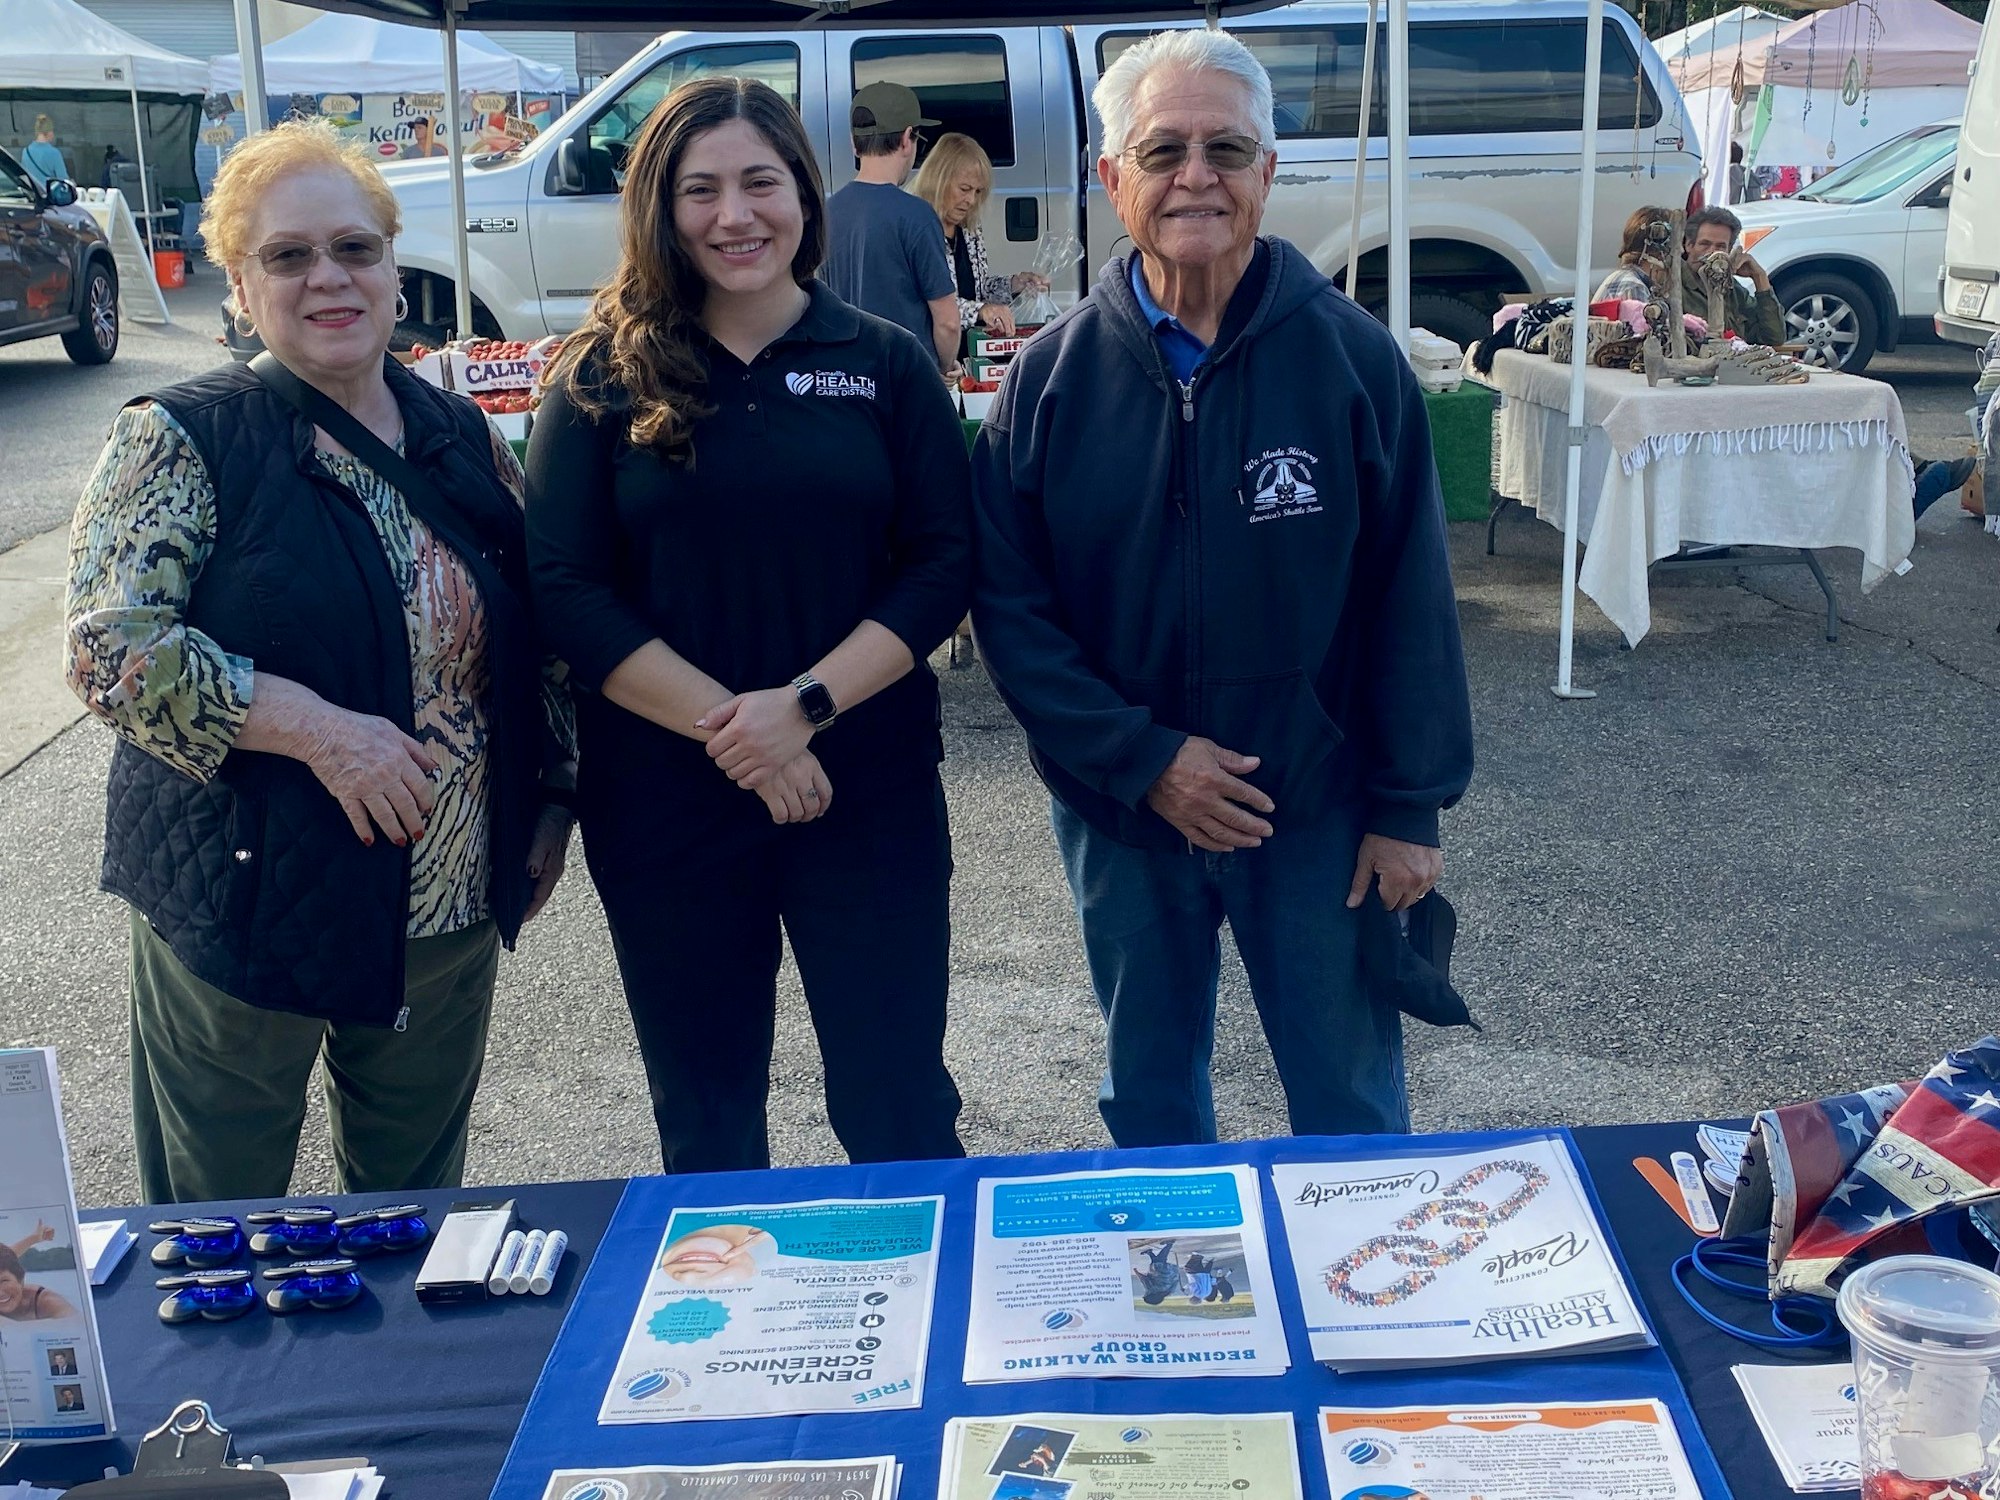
{"x":256,"y":878}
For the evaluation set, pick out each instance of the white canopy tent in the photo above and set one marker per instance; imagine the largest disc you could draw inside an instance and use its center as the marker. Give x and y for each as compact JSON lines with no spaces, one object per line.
{"x":360,"y":55}
{"x":56,"y":46}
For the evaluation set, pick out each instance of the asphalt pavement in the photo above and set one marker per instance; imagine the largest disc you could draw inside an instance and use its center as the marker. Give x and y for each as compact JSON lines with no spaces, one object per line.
{"x":1758,"y":867}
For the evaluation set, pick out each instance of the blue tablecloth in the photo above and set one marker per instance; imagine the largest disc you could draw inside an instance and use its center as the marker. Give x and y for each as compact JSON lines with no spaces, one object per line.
{"x":435,"y":1396}
{"x":560,"y":1428}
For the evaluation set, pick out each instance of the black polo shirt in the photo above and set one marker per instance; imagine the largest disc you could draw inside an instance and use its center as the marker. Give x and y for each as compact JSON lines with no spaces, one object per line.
{"x":829,"y":486}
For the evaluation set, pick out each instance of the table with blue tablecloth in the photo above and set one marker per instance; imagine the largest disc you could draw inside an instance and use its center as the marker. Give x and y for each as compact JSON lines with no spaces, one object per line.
{"x":436,"y":1397}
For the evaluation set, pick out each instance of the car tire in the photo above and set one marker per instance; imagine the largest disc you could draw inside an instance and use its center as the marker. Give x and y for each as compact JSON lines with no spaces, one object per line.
{"x":1833,"y":317}
{"x":1449,"y":317}
{"x":95,"y":339}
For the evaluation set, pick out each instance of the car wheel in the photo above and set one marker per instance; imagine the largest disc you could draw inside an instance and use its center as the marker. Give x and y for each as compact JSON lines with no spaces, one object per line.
{"x":95,"y":340}
{"x":1833,"y":318}
{"x":1449,"y":317}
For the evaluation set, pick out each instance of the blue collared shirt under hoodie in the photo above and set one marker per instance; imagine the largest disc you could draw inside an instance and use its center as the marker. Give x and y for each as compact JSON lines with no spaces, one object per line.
{"x":1261,"y":562}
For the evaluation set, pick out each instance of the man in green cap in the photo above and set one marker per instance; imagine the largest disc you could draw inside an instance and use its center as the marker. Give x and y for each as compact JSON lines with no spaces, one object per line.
{"x":885,"y":248}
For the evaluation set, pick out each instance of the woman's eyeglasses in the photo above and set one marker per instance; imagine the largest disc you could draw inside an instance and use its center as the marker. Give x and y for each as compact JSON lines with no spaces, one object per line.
{"x":1160,"y":155}
{"x":354,"y":252}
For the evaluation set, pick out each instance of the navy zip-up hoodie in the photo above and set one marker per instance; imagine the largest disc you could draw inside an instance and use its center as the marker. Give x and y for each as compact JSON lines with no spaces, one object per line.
{"x":1259,"y":559}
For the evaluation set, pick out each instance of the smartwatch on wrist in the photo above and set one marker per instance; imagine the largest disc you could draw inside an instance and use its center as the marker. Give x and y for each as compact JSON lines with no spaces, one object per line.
{"x":815,"y":702}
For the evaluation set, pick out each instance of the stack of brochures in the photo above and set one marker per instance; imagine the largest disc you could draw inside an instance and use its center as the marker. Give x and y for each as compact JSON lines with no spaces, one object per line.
{"x":1150,"y":1274}
{"x":798,"y":1479}
{"x":1041,"y":1456}
{"x":1406,"y":1261}
{"x":1808,"y":1417}
{"x":1607,"y":1450}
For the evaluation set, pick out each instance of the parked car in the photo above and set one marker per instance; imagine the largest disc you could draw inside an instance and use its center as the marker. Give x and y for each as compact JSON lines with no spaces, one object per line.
{"x":1968,"y":310}
{"x":1495,"y":120}
{"x":1854,"y":258}
{"x":56,"y":272}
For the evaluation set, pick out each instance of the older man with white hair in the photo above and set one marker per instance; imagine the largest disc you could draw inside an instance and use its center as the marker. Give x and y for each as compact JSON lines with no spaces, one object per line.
{"x":1213,"y":588}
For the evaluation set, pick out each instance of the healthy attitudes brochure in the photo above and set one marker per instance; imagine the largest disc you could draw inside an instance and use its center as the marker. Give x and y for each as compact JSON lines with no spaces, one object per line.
{"x":1122,"y":1273}
{"x":1428,"y":1260}
{"x":1044,"y":1457}
{"x":776,"y":1309}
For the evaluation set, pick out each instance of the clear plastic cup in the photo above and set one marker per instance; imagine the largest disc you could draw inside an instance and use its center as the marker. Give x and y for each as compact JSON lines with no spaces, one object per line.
{"x":1926,"y":1337}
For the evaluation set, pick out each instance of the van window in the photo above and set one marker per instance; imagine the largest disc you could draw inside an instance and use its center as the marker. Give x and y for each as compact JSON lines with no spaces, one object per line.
{"x":14,"y":189}
{"x":611,"y":134}
{"x":962,"y":82}
{"x":1466,"y":78}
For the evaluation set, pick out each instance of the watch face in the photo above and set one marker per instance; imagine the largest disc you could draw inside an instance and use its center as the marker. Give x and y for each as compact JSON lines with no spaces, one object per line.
{"x":816,"y":701}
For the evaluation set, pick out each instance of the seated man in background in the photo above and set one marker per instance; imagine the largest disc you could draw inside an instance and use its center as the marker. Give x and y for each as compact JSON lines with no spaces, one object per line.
{"x":1755,"y":317}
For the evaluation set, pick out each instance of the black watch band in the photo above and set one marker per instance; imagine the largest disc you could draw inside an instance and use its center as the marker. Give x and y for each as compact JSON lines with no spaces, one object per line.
{"x":815,"y":702}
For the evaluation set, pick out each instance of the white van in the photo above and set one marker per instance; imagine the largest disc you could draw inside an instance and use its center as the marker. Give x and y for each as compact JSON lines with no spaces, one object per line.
{"x":1495,"y":124}
{"x":1968,"y":297}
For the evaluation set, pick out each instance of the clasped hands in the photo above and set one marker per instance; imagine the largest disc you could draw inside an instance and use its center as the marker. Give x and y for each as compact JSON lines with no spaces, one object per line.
{"x":759,"y":741}
{"x":1202,"y":794}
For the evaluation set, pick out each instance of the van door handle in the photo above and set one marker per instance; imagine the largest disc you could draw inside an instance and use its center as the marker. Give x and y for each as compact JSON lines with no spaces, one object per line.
{"x":1024,"y":219}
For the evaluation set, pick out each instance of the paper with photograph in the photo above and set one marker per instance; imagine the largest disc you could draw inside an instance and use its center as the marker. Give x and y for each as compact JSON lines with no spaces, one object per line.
{"x":1475,"y":1255}
{"x":1122,"y":1273}
{"x":803,"y":1479}
{"x":52,"y":1386}
{"x":1613,"y":1450}
{"x":1045,"y":1457}
{"x":773,"y":1309}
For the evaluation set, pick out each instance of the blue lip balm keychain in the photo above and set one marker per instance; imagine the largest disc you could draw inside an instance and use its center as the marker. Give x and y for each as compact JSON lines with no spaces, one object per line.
{"x":202,"y":1244}
{"x":211,"y":1296}
{"x":383,"y":1231}
{"x":321,"y":1285}
{"x":293,"y":1231}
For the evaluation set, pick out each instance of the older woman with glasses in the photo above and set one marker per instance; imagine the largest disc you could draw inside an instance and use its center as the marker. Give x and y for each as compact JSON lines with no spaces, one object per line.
{"x":956,"y":179}
{"x":297,"y":593}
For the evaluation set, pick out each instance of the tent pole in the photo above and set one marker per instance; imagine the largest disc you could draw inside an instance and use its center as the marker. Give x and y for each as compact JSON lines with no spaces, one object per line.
{"x":1399,"y":172}
{"x":250,"y":47}
{"x":139,"y":136}
{"x":1361,"y":156}
{"x":455,"y":133}
{"x":1579,"y":347}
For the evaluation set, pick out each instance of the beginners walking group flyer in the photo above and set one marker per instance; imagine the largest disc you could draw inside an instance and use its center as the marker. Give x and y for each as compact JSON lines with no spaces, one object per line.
{"x":1122,"y":1273}
{"x":827,"y":1479}
{"x":1619,"y":1450}
{"x":777,"y":1309}
{"x":1042,"y":1457}
{"x":52,"y":1386}
{"x":1427,"y":1260}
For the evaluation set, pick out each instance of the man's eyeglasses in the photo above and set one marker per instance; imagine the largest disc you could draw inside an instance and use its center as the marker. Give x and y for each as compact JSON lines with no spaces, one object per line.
{"x":1159,"y":155}
{"x":354,"y":252}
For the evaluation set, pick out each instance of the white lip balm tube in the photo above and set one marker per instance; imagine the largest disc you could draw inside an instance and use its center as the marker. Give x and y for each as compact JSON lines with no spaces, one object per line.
{"x":518,"y":1281}
{"x":542,"y":1275}
{"x":501,"y":1277}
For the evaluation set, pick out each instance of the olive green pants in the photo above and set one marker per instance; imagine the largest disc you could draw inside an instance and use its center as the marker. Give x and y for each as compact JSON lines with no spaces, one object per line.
{"x":219,"y":1087}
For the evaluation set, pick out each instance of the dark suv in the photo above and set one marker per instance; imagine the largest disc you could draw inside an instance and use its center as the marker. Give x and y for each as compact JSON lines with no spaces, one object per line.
{"x":56,"y":271}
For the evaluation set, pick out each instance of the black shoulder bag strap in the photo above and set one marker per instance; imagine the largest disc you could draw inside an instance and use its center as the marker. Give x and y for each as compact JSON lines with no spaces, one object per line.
{"x":423,"y":497}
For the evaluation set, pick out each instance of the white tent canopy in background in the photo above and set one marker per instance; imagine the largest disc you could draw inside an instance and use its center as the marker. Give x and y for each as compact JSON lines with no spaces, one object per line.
{"x":339,"y":53}
{"x":57,"y":45}
{"x":1746,"y":23}
{"x":1827,"y":87}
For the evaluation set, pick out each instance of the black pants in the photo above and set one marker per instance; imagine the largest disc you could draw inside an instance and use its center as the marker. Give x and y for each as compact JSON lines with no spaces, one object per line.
{"x":864,"y":895}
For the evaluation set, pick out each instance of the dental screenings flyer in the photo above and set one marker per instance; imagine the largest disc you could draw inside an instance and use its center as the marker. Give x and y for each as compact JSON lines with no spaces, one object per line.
{"x":1122,"y":1273}
{"x":782,"y":1309}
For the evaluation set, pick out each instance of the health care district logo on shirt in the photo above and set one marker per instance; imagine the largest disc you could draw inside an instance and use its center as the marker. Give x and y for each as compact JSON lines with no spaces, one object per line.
{"x":1281,"y":484}
{"x":829,"y":383}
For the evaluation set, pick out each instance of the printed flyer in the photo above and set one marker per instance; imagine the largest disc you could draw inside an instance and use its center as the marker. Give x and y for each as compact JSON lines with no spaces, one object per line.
{"x":1809,"y":1418}
{"x":775,"y":1309}
{"x":1620,"y":1450}
{"x":826,"y":1479}
{"x":1042,"y":1457}
{"x":1122,"y":1273}
{"x":1426,"y":1260}
{"x":52,"y":1386}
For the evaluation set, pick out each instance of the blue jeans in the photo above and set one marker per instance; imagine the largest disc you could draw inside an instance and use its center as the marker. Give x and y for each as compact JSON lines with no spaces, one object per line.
{"x":1152,"y":925}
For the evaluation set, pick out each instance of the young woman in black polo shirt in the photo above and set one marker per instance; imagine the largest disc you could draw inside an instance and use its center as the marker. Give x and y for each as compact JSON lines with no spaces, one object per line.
{"x":749,"y":522}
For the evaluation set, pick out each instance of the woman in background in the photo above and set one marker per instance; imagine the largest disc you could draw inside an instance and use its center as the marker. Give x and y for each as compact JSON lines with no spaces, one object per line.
{"x":42,"y":157}
{"x":956,"y":179}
